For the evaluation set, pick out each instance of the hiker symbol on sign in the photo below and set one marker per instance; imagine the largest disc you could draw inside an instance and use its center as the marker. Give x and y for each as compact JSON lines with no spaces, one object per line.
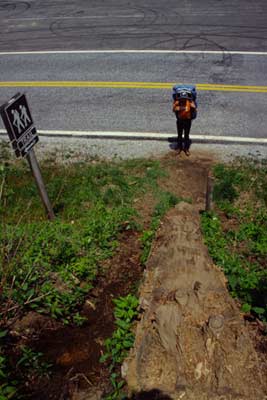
{"x":21,"y":120}
{"x":19,"y":124}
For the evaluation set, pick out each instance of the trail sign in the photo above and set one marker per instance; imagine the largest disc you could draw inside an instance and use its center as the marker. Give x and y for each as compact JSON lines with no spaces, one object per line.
{"x":23,"y":136}
{"x":19,"y":124}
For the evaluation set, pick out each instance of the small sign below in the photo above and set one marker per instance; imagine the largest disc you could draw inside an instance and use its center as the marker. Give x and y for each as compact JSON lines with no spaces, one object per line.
{"x":19,"y":124}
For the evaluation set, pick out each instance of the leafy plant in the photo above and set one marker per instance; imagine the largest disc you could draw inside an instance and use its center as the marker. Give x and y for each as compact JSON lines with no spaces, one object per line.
{"x":8,"y":387}
{"x":167,"y":201}
{"x":117,"y":385}
{"x":78,"y":319}
{"x":241,"y":252}
{"x":31,"y":363}
{"x":117,"y":347}
{"x":246,"y":280}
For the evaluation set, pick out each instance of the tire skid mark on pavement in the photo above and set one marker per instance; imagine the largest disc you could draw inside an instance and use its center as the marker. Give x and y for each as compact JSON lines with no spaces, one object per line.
{"x":120,"y":51}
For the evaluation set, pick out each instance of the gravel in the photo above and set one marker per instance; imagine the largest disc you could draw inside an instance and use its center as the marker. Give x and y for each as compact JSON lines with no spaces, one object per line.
{"x":80,"y":149}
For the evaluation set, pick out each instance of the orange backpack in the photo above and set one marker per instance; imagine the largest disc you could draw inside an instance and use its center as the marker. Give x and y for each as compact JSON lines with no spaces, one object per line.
{"x":184,"y":111}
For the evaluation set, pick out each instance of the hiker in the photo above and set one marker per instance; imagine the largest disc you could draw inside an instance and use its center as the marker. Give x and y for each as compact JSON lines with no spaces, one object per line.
{"x":185,"y":109}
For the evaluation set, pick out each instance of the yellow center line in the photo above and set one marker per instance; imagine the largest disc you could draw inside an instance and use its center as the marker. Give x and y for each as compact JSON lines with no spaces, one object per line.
{"x":134,"y":85}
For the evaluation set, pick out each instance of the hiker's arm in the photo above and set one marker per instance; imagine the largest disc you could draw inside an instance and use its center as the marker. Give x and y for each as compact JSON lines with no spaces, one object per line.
{"x":175,"y":106}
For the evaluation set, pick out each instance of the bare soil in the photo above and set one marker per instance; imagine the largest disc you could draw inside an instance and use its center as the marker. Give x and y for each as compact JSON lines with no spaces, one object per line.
{"x":183,"y":296}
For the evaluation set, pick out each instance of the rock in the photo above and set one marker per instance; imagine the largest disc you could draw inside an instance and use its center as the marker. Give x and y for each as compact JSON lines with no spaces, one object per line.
{"x":181,"y":296}
{"x":124,"y":369}
{"x":216,"y":324}
{"x":33,"y":322}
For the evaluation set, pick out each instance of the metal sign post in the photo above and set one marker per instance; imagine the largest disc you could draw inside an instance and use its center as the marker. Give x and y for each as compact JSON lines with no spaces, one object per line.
{"x":19,"y":124}
{"x":31,"y":158}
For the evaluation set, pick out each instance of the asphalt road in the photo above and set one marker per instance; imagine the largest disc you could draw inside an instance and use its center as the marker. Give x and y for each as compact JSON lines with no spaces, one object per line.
{"x":132,"y":109}
{"x":139,"y":24}
{"x":208,"y":25}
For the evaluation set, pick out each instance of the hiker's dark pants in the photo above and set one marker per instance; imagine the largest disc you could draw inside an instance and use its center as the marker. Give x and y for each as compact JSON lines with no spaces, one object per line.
{"x":183,"y":125}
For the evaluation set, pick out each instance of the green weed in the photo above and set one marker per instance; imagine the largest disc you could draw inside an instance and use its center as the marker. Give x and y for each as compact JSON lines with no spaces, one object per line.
{"x":228,"y":179}
{"x":50,"y":267}
{"x":247,"y":280}
{"x":31,"y":363}
{"x":167,"y":200}
{"x":8,"y":386}
{"x":117,"y":347}
{"x":241,"y":252}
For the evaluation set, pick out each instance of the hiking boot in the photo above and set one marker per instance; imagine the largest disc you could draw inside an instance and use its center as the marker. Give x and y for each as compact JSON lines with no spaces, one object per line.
{"x":179,"y":151}
{"x":187,"y":153}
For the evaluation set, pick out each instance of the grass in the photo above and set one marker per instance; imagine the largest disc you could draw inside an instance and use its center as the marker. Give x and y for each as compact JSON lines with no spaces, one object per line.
{"x":236,"y":232}
{"x":49,"y":267}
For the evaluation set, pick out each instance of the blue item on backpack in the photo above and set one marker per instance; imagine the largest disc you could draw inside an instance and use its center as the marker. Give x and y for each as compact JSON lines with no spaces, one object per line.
{"x":185,"y":92}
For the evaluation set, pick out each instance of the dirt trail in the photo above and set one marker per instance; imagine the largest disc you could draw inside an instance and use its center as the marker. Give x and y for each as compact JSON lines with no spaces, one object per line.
{"x":191,"y":342}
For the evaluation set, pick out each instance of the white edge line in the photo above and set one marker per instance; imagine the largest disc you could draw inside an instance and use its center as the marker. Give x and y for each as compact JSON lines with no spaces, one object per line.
{"x":145,"y":136}
{"x":257,"y":53}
